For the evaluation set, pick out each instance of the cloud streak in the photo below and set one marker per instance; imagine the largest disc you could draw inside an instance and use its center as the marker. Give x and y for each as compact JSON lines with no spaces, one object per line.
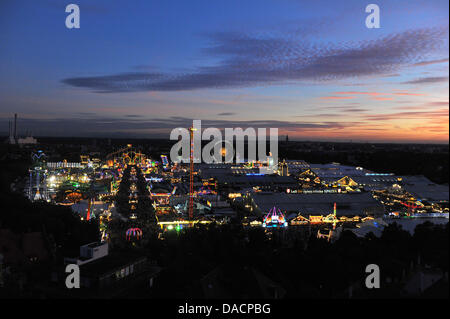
{"x":431,"y":79}
{"x":378,"y":96}
{"x":98,"y":125}
{"x":247,"y":61}
{"x":226,"y":114}
{"x":419,"y":115}
{"x":423,"y":63}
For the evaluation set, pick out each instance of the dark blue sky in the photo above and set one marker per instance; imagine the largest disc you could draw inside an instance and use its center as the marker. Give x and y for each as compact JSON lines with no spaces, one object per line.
{"x":311,"y":68}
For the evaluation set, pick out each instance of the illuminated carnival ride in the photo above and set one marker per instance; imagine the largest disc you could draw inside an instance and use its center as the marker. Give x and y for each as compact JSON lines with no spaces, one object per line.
{"x":134,"y":234}
{"x":274,"y":219}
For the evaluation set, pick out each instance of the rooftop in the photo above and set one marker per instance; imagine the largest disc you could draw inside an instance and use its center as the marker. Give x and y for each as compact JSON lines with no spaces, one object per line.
{"x":318,"y":204}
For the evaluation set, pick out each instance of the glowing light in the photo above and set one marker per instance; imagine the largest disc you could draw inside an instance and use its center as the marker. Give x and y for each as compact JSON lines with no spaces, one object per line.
{"x":223,"y":151}
{"x":274,"y":218}
{"x":133,"y":233}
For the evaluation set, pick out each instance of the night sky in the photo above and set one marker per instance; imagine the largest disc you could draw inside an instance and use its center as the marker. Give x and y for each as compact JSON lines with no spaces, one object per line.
{"x":310,"y":68}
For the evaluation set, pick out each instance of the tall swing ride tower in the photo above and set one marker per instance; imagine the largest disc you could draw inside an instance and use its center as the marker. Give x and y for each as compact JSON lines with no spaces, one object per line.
{"x":191,"y":174}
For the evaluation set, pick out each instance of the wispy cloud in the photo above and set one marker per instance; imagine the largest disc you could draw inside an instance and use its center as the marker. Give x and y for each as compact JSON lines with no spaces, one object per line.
{"x":431,"y":79}
{"x":96,"y":125}
{"x":133,"y":115}
{"x":424,"y":106}
{"x":421,"y":115}
{"x":226,"y":114}
{"x":409,"y":94}
{"x":378,"y":96}
{"x":438,"y":103}
{"x":423,"y":63}
{"x":360,"y":93}
{"x":433,"y":126}
{"x":251,"y":61}
{"x":383,"y":98}
{"x":334,"y":97}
